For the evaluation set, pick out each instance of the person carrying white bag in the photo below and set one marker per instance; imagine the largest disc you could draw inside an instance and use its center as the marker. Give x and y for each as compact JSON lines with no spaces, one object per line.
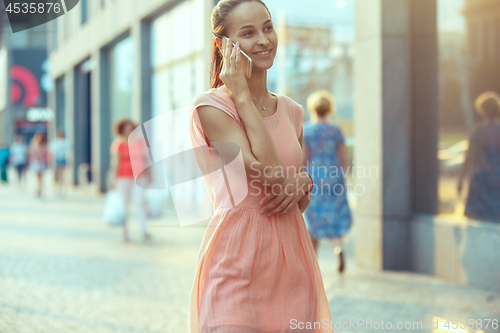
{"x":114,"y":209}
{"x":121,"y":175}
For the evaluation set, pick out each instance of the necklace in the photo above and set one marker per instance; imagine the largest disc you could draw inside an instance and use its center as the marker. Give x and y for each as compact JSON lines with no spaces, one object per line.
{"x":263,"y":108}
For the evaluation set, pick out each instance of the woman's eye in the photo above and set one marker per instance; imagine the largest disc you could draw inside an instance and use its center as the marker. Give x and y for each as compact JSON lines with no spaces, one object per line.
{"x":247,"y":33}
{"x":269,"y":28}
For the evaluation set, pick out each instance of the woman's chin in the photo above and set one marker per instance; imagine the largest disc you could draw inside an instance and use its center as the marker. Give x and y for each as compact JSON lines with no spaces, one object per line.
{"x":262,"y":65}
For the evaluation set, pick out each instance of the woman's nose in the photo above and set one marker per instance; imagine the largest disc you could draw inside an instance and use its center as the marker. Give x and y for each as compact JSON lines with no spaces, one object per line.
{"x":263,"y":40}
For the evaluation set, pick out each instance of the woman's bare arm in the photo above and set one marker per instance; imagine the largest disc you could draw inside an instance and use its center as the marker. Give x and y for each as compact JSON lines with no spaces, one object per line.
{"x":257,"y":147}
{"x":305,"y":150}
{"x":220,"y":127}
{"x":113,"y":164}
{"x":306,"y":199}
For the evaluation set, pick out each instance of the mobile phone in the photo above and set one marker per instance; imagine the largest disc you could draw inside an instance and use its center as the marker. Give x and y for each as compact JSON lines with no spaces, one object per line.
{"x":246,"y":61}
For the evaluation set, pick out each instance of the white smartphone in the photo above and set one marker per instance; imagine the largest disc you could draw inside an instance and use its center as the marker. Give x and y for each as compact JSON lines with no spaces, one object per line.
{"x":246,"y":61}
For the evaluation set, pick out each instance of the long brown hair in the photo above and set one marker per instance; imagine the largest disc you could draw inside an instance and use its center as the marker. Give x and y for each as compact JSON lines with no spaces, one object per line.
{"x":219,"y":22}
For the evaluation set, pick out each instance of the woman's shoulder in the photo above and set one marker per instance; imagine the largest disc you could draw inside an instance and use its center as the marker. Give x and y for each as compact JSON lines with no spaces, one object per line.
{"x":337,"y":130}
{"x":117,"y":142}
{"x":294,"y":109}
{"x":478,"y":130}
{"x":290,"y":101}
{"x":202,"y":96}
{"x":211,"y":96}
{"x":335,"y":126}
{"x":481,"y":131}
{"x":216,"y":99}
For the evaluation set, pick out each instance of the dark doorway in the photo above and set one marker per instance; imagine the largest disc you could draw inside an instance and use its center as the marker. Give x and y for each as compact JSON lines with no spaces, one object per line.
{"x":83,"y":124}
{"x":60,"y":105}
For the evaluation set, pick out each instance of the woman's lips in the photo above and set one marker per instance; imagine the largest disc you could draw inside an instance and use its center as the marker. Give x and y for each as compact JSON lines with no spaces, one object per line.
{"x":265,"y":55}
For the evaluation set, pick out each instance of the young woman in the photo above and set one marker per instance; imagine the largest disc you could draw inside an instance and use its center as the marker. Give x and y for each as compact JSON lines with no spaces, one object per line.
{"x":38,"y":157}
{"x":325,"y":158}
{"x":256,"y":269}
{"x":121,"y":174}
{"x":482,"y":162}
{"x":19,"y":158}
{"x":59,"y":149}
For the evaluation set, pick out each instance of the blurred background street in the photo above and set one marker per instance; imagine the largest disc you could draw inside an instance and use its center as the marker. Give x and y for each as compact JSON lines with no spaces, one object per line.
{"x":62,"y":269}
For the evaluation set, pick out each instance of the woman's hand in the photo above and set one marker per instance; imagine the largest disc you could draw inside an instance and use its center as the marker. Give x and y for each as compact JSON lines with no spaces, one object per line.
{"x":291,"y":191}
{"x":304,"y":202}
{"x":232,"y":73}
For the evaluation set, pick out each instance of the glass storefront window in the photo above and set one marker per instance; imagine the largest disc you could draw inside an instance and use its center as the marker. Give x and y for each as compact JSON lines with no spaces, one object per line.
{"x":85,"y":11}
{"x":121,"y":71}
{"x":469,"y":49}
{"x":177,"y":59}
{"x":60,"y":104}
{"x":316,"y":52}
{"x":179,"y":73}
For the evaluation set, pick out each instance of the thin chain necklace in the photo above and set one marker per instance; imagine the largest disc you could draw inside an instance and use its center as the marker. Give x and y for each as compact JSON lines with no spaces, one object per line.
{"x":263,"y":108}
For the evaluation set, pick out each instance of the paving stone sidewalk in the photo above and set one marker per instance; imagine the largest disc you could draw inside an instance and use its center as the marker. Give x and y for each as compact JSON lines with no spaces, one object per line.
{"x":63,"y":270}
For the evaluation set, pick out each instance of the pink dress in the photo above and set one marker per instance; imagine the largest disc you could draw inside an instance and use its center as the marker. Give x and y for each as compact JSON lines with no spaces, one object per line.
{"x":254,"y":273}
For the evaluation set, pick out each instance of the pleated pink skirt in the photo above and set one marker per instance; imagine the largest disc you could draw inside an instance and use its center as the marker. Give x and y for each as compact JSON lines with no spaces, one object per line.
{"x":257,"y":274}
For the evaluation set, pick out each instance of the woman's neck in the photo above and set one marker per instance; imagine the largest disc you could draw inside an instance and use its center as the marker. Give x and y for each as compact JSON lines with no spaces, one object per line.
{"x":257,"y":85}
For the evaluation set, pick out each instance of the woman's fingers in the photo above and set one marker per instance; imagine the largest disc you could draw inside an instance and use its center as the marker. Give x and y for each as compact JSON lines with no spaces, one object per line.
{"x":275,"y":202}
{"x":233,"y":57}
{"x":238,"y":57}
{"x":223,"y":69}
{"x":288,"y":208}
{"x":227,"y":54}
{"x":270,"y":196}
{"x":281,"y":207}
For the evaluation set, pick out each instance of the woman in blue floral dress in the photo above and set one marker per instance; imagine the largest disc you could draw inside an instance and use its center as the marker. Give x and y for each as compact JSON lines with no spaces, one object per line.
{"x":482,"y":163}
{"x":325,"y":159}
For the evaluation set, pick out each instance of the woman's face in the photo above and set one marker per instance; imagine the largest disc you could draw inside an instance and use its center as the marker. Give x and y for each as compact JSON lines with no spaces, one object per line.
{"x":127,"y":129}
{"x":250,"y":25}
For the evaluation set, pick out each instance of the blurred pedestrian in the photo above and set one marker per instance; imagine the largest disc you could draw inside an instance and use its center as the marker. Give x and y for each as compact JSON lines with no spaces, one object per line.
{"x":4,"y":161}
{"x":59,"y":149}
{"x":19,"y":158}
{"x":121,"y":176}
{"x":325,"y":159}
{"x":38,"y":158}
{"x":482,"y":162}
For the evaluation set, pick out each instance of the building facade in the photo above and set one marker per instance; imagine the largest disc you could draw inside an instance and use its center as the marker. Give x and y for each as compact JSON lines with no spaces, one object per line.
{"x":396,"y":117}
{"x":127,"y":58}
{"x":483,"y":45}
{"x":24,"y":82}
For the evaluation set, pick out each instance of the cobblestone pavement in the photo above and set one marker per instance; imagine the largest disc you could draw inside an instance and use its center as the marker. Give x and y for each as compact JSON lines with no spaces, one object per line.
{"x":63,"y":270}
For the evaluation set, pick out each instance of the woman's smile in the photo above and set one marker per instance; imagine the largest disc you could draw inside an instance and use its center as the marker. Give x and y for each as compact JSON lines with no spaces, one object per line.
{"x":263,"y":54}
